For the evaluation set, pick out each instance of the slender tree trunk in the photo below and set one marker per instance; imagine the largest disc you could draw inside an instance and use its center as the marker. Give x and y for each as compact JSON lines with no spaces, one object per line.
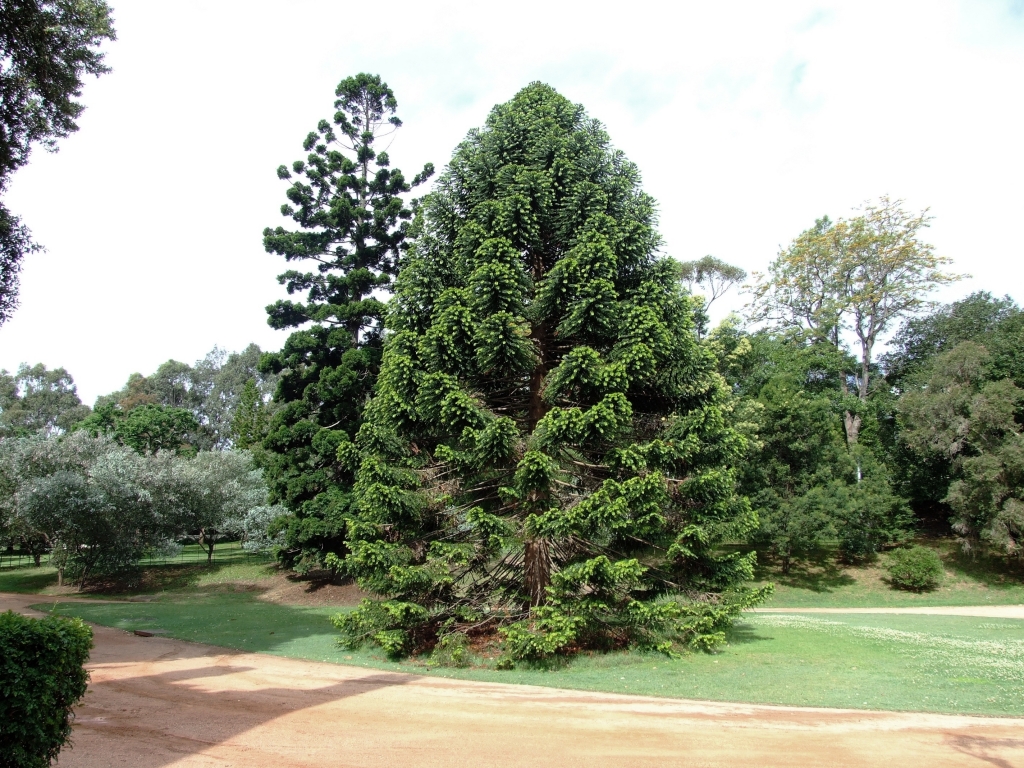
{"x":207,"y":543}
{"x":37,"y":558}
{"x":537,"y":570}
{"x":537,"y":407}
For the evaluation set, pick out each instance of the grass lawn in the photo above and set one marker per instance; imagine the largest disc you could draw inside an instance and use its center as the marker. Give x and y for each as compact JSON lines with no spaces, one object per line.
{"x":820,"y":582}
{"x":187,"y":573}
{"x":893,"y":662}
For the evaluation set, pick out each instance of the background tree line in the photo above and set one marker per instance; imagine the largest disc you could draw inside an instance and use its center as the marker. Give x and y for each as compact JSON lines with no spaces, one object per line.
{"x":161,"y":461}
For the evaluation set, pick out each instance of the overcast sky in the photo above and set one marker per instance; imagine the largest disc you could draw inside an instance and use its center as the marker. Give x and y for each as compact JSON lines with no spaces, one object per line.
{"x":747,"y":120}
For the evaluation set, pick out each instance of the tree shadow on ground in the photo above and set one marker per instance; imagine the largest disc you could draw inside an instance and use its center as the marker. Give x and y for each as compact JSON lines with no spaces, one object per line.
{"x":193,"y":710}
{"x":991,"y":570}
{"x":742,"y":633}
{"x":987,"y":749}
{"x":816,"y":572}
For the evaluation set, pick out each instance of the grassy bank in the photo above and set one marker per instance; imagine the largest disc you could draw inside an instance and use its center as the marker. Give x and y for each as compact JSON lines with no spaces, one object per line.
{"x":924,"y":663}
{"x":822,"y":582}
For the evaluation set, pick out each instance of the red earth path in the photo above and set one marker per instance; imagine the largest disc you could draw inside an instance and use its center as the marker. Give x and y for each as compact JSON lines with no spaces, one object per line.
{"x":156,"y":702}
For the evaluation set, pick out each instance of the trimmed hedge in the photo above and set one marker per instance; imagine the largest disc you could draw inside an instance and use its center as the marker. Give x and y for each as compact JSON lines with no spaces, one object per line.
{"x":915,"y":568}
{"x":42,"y":676}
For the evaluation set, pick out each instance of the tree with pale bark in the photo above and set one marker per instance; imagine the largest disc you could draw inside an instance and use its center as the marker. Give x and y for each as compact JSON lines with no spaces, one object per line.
{"x":857,"y":275}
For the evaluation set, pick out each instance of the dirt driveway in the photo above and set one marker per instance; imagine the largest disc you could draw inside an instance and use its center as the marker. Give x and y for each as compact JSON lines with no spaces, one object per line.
{"x":157,"y":702}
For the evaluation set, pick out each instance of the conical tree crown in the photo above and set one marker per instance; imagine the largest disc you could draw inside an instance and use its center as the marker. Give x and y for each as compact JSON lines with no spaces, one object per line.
{"x":349,"y":223}
{"x":546,"y":453}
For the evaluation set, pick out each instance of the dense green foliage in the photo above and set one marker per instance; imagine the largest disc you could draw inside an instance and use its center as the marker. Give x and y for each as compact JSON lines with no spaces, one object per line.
{"x":915,"y":568}
{"x":42,"y":676}
{"x":36,"y":399}
{"x":196,"y":404}
{"x":969,"y":416}
{"x":147,"y":428}
{"x":350,"y":225}
{"x":47,"y":47}
{"x":810,"y":487}
{"x":547,"y":453}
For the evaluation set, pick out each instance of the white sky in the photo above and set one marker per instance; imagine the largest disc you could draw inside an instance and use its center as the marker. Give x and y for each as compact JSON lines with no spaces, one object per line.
{"x":748,"y":120}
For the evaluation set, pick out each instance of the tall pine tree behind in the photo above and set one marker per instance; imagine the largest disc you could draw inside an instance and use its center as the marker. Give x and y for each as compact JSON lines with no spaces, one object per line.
{"x":351,"y":223}
{"x":546,"y":454}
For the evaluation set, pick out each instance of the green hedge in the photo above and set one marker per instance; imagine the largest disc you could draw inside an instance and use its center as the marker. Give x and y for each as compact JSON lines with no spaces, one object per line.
{"x":42,"y":676}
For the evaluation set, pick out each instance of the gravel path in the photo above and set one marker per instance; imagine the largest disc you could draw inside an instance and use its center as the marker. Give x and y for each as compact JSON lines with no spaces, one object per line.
{"x":157,"y":702}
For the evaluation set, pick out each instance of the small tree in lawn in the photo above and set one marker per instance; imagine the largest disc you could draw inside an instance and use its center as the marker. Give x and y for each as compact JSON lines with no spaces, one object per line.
{"x":546,"y":454}
{"x":351,"y":222}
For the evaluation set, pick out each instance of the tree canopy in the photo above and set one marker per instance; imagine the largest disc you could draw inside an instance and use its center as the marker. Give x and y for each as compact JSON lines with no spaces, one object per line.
{"x":37,"y":399}
{"x":860,"y":274}
{"x":47,"y":47}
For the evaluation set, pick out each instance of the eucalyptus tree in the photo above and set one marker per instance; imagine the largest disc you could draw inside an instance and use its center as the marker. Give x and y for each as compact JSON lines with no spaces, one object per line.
{"x":862,"y":274}
{"x":546,"y":455}
{"x":350,"y":223}
{"x":36,"y":398}
{"x":714,"y":276}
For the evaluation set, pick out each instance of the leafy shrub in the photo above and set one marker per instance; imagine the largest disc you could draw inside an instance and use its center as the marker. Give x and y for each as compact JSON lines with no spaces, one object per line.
{"x":915,"y":568}
{"x":42,"y":676}
{"x":452,"y":650}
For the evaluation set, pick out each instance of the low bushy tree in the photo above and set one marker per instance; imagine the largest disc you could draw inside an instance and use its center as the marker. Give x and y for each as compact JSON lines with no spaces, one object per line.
{"x":99,"y":507}
{"x":972,"y":417}
{"x":915,"y":568}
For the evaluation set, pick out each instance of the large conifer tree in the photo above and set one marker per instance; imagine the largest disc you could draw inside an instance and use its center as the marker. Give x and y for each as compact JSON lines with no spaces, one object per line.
{"x":546,"y":454}
{"x":351,"y":222}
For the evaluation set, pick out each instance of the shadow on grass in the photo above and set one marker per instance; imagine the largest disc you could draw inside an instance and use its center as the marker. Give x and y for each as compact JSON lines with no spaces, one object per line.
{"x":742,"y":633}
{"x":817,"y":572}
{"x":992,"y":571}
{"x":27,"y":579}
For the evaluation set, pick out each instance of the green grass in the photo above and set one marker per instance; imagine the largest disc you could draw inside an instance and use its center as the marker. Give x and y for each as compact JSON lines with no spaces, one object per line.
{"x":921,"y":663}
{"x":820,"y":582}
{"x":185,"y":574}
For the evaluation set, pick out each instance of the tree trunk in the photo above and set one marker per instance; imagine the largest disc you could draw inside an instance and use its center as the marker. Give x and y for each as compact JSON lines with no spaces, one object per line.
{"x":537,"y":407}
{"x":851,"y":422}
{"x":37,"y":557}
{"x":537,"y":570}
{"x":207,"y":544}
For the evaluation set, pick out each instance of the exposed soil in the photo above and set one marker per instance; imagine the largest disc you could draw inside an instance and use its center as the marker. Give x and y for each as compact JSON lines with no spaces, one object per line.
{"x":156,"y":702}
{"x":289,"y":590}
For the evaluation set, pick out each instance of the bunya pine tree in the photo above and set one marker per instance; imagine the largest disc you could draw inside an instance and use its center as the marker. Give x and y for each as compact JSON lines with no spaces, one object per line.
{"x":546,"y":460}
{"x":350,"y":223}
